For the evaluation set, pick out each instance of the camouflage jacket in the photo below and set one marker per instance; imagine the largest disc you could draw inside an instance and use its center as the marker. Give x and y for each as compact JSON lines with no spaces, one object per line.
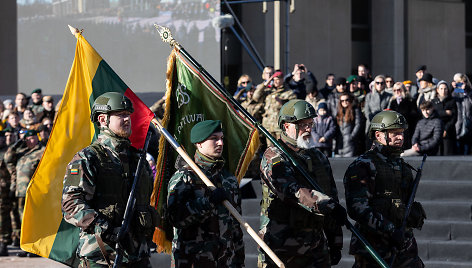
{"x":200,"y":227}
{"x":97,"y":185}
{"x":273,"y":102}
{"x":290,"y":203}
{"x":4,"y":175}
{"x":254,"y":108}
{"x":22,"y":163}
{"x":375,"y":196}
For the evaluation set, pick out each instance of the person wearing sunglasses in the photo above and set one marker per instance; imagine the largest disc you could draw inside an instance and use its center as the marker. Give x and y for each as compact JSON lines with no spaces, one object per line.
{"x":376,"y":100}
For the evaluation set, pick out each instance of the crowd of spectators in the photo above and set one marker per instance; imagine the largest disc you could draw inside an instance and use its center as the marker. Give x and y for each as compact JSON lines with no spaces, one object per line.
{"x":34,"y":112}
{"x":439,"y":113}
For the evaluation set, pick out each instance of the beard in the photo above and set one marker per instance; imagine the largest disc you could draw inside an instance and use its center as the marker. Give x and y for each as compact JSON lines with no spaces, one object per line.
{"x":123,"y":132}
{"x":307,"y":143}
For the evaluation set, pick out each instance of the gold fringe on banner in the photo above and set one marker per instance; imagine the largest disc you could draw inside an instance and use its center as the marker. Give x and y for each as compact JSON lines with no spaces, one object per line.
{"x":159,"y":237}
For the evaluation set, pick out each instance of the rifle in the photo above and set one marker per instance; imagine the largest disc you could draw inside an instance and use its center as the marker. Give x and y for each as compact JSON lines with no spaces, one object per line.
{"x":166,"y":36}
{"x":416,"y":182}
{"x":130,"y":205}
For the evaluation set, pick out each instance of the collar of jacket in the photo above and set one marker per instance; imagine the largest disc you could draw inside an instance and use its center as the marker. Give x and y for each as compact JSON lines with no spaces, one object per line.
{"x":110,"y":139}
{"x":286,"y":139}
{"x":388,"y":151}
{"x":207,"y":164}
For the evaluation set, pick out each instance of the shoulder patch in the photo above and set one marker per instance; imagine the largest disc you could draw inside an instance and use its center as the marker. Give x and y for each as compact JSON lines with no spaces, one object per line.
{"x":73,"y":175}
{"x":276,"y":160}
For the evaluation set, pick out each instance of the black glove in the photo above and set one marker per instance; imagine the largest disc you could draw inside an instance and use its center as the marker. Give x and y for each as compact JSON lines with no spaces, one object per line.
{"x":217,"y":196}
{"x":417,"y":216}
{"x":335,"y":255}
{"x":339,"y":214}
{"x":111,"y":235}
{"x":398,"y":238}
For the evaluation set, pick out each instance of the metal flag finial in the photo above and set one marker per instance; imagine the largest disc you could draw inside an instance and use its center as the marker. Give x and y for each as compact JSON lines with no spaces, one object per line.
{"x":166,"y":35}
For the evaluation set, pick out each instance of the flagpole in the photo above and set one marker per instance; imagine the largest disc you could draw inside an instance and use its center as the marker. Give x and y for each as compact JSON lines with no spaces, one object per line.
{"x":166,"y":37}
{"x":212,"y":187}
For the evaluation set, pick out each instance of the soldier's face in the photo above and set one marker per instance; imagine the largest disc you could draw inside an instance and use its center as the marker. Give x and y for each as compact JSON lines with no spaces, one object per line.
{"x":36,"y":97}
{"x":120,"y":123}
{"x":304,"y":129}
{"x":212,"y":146}
{"x":395,"y":137}
{"x":31,"y":141}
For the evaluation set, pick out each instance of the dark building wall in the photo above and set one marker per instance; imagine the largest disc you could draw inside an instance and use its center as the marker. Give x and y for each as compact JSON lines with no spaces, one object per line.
{"x":8,"y":48}
{"x":403,"y":35}
{"x":436,"y":37}
{"x":319,"y":36}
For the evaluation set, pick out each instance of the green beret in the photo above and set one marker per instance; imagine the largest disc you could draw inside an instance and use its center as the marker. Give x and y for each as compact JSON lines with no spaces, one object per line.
{"x":202,"y":130}
{"x":30,"y":132}
{"x":352,"y":78}
{"x":38,"y":90}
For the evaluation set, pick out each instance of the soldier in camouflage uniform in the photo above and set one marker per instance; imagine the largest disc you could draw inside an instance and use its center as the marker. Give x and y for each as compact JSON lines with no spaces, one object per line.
{"x":22,"y":159}
{"x":378,"y":185}
{"x":276,"y":96}
{"x":97,"y":185}
{"x":205,"y":233}
{"x":301,"y":225}
{"x":5,"y":199}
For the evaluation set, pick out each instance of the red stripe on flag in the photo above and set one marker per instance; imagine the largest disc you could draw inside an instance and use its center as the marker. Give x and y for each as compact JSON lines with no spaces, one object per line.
{"x":140,"y":120}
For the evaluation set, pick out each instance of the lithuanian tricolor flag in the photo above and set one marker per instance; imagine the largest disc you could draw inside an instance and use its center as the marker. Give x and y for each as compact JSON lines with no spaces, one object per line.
{"x":43,"y":231}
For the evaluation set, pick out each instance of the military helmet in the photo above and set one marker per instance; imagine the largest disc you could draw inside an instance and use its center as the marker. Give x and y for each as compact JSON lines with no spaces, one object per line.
{"x":110,"y":102}
{"x":386,"y":120}
{"x":295,"y":110}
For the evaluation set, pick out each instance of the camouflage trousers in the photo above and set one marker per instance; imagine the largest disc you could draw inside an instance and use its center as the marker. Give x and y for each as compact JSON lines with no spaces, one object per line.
{"x":296,"y":249}
{"x":202,"y":259}
{"x":5,"y":219}
{"x":86,"y":263}
{"x":17,"y":205}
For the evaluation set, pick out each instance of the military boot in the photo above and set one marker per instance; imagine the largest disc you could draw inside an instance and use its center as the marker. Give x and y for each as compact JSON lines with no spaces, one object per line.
{"x":16,"y":242}
{"x":3,"y":249}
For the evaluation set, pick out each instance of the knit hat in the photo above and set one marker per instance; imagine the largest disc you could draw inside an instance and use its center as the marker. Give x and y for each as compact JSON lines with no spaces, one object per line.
{"x":421,"y":68}
{"x":322,"y":105}
{"x":202,"y":130}
{"x":7,"y":101}
{"x":427,"y":77}
{"x":340,"y":81}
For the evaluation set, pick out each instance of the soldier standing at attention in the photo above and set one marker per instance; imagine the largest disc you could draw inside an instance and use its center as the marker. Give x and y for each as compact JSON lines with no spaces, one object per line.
{"x":378,"y":185}
{"x":205,"y":233}
{"x":301,"y":225}
{"x":22,"y":160}
{"x":97,"y":185}
{"x":5,"y":199}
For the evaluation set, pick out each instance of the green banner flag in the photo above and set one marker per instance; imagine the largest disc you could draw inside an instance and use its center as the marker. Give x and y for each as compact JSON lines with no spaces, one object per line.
{"x":190,"y":98}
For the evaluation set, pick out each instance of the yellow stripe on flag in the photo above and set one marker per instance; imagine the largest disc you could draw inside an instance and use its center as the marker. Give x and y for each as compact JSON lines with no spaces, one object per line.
{"x":72,"y":131}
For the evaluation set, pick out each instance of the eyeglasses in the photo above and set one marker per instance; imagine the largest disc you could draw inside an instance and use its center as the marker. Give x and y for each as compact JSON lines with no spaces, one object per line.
{"x":380,"y":83}
{"x":397,"y":90}
{"x":305,"y":125}
{"x":345,"y":100}
{"x":245,"y":82}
